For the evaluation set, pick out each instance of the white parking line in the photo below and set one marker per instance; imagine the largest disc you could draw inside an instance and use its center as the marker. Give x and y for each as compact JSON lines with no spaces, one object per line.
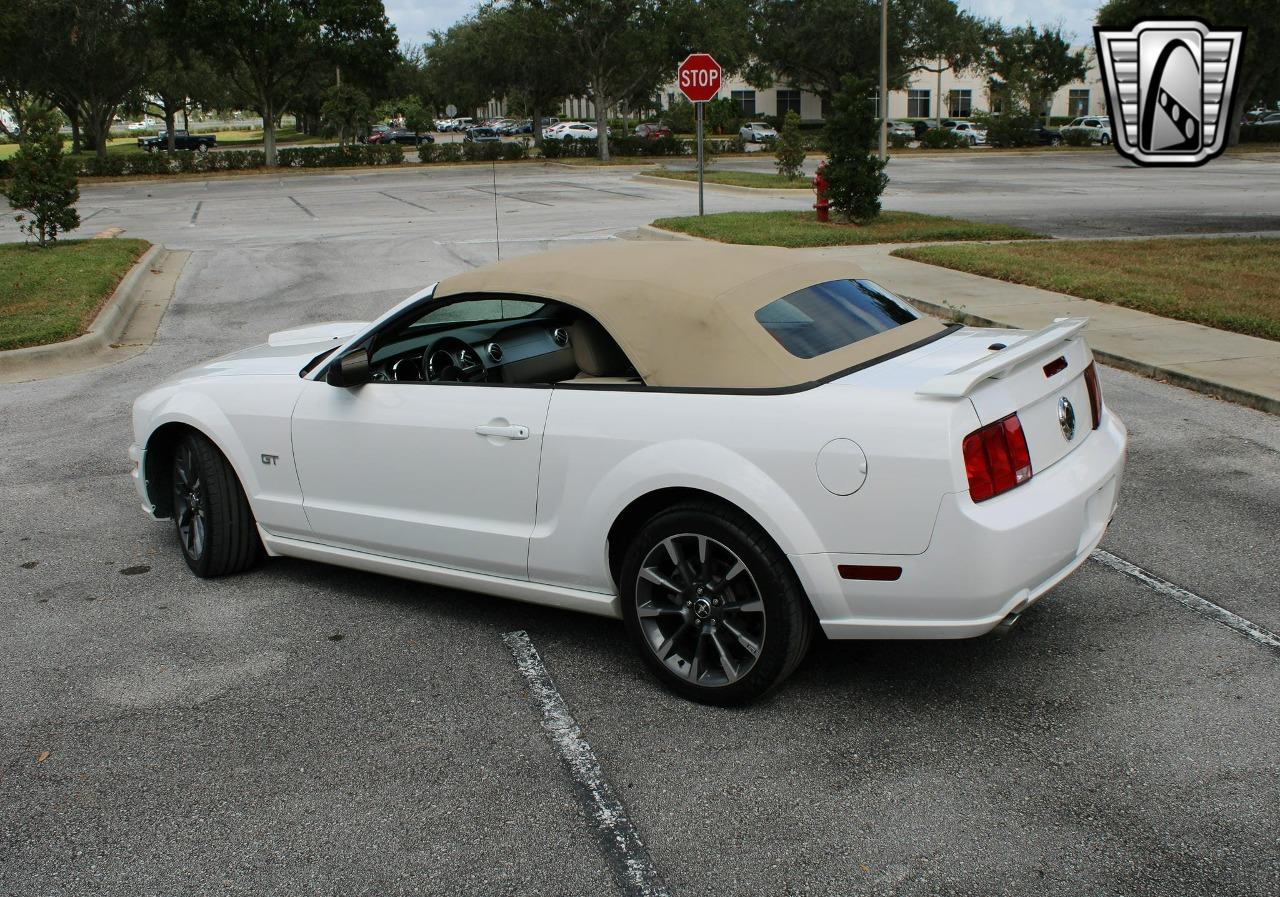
{"x":1202,"y":606}
{"x":618,"y":838}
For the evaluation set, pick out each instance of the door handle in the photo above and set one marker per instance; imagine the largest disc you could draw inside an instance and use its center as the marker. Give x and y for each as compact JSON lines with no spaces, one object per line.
{"x":508,"y":432}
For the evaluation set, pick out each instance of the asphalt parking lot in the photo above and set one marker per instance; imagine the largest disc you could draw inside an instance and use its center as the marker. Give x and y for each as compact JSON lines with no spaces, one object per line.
{"x":305,"y":729}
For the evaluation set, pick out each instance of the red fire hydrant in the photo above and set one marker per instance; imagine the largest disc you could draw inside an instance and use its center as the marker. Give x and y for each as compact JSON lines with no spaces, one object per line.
{"x":823,"y":205}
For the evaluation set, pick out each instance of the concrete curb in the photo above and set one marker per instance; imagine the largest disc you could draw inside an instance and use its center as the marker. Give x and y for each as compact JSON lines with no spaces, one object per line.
{"x":780,"y":192}
{"x":1207,"y":386}
{"x":649,"y":232}
{"x":100,"y":344}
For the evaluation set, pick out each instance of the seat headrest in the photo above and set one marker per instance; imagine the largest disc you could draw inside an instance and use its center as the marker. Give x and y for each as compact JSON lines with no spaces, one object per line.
{"x":595,"y":351}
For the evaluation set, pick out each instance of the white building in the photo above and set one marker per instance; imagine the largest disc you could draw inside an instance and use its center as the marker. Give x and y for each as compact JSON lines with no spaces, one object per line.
{"x":962,"y":93}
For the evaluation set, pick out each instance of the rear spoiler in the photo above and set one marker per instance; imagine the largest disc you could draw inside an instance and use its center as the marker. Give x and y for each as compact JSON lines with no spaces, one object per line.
{"x":960,"y":382}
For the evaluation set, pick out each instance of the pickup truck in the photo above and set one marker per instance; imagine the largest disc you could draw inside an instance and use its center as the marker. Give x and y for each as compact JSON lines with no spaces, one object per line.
{"x":181,"y":140}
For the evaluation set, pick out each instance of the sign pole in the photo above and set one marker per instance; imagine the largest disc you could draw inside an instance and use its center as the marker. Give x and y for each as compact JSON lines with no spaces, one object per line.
{"x":700,"y":166}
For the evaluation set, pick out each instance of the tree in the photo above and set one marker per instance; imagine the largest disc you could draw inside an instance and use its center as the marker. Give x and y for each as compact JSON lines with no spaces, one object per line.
{"x":269,"y":48}
{"x":1259,"y":61}
{"x":346,"y":111}
{"x":789,"y":155}
{"x":855,"y":176}
{"x":83,"y":56}
{"x":814,"y":45}
{"x":1028,"y":66}
{"x":99,"y":52}
{"x":44,"y":183}
{"x":628,"y":48}
{"x":457,"y":66}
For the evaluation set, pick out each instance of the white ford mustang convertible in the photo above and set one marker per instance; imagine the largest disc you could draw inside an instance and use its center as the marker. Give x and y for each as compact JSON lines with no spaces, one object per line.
{"x":728,"y":447}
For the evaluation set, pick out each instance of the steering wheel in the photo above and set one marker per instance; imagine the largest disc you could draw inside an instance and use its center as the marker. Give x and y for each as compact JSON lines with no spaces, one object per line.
{"x":451,"y":360}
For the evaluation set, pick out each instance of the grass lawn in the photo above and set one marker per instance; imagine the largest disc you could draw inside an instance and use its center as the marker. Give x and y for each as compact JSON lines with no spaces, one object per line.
{"x":800,"y":229}
{"x":761,"y":179}
{"x":1231,"y":284}
{"x":51,"y":295}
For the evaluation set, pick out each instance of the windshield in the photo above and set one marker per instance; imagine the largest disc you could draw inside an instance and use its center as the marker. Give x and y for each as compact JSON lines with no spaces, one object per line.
{"x":832,"y":315}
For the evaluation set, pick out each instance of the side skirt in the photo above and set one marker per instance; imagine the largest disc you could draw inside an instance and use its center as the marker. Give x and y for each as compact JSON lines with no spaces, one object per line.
{"x":520,"y":590}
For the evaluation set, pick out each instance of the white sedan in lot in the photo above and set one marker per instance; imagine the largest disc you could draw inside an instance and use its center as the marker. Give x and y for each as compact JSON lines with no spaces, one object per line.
{"x":1098,"y":127}
{"x":571,"y":130}
{"x":757,"y":132}
{"x":728,"y":447}
{"x":969,"y":131}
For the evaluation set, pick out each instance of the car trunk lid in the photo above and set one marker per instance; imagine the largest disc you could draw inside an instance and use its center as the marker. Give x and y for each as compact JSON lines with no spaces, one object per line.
{"x":1039,"y":376}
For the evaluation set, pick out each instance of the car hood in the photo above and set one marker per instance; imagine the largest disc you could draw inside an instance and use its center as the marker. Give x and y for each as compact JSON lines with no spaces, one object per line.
{"x":284,"y":352}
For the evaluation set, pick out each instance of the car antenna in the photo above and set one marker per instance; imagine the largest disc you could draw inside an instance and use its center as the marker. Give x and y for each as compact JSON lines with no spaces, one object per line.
{"x":496,"y":238}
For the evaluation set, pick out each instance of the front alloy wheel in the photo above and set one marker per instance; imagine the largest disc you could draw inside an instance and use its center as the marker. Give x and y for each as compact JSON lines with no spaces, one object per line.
{"x":214,"y":523}
{"x":713,"y":605}
{"x":190,"y":513}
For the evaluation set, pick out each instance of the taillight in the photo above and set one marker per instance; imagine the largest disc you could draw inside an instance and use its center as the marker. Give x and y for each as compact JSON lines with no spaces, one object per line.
{"x":996,"y":458}
{"x":1095,"y":393}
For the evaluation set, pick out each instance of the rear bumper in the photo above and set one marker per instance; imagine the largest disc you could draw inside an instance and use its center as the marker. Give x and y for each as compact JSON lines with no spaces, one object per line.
{"x":985,"y":561}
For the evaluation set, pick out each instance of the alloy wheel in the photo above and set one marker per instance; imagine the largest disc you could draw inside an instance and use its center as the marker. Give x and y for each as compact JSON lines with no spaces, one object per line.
{"x":700,"y":610}
{"x":189,"y":505}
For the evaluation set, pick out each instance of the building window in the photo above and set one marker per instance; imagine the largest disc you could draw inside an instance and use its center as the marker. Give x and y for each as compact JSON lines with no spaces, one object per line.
{"x":746,"y":100}
{"x":1078,"y":102}
{"x":671,"y":98}
{"x":918,"y":104}
{"x":960,"y":103}
{"x":997,"y":105}
{"x":788,"y":101}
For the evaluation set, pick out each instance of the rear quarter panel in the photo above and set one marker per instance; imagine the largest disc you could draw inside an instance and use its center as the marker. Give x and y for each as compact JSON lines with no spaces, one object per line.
{"x":605,"y":448}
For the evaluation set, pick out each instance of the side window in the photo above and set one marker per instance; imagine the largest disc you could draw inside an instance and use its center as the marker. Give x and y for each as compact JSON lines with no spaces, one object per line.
{"x":494,"y":339}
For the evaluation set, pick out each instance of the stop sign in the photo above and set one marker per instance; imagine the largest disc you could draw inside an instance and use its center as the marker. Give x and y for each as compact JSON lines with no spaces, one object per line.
{"x":699,"y":77}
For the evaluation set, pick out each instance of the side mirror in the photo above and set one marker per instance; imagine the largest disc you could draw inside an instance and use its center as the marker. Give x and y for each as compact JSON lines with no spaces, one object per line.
{"x":352,"y":369}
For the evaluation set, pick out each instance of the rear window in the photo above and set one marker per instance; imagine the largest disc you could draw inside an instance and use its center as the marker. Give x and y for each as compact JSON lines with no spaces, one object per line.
{"x":832,"y":315}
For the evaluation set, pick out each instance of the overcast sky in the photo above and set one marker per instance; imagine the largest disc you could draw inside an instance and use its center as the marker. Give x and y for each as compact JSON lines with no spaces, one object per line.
{"x":414,"y":19}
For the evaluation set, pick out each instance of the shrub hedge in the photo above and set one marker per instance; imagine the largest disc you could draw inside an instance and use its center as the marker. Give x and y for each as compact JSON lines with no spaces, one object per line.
{"x":631,"y":146}
{"x":1077,"y":137}
{"x":943,"y":138}
{"x":1260,"y":133}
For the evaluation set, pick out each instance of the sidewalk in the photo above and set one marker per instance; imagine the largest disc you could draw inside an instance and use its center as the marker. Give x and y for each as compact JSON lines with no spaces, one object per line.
{"x":1241,"y":369}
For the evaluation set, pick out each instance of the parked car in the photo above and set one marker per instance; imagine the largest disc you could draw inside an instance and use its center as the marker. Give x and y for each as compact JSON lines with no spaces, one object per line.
{"x":971,"y":132}
{"x":1271,"y":119}
{"x":757,"y":132}
{"x":460,"y":124}
{"x":1046,"y":136}
{"x":377,"y":133}
{"x":1097,"y":126}
{"x":652,"y":130}
{"x":726,"y":449}
{"x":571,"y":130}
{"x":482,"y":135}
{"x":402,"y":135}
{"x":902,"y":128}
{"x":181,"y":140}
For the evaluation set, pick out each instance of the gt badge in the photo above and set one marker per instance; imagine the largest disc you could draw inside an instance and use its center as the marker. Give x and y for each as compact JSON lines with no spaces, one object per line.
{"x":1067,"y":418}
{"x":1169,"y":86}
{"x":270,"y":460}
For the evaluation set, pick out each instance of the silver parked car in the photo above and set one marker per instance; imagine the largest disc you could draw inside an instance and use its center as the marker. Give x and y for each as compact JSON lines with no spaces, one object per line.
{"x":757,"y":132}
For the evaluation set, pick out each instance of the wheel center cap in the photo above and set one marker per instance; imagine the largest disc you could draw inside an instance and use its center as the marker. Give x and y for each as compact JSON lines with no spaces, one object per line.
{"x":702,"y":607}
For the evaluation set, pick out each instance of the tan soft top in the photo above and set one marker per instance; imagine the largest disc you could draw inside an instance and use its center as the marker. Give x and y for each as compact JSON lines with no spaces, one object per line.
{"x":684,"y":312}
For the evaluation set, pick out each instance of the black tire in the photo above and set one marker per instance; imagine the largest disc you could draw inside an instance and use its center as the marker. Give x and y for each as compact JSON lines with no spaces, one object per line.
{"x":1106,"y":140}
{"x":212,"y":518}
{"x":781,"y":631}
